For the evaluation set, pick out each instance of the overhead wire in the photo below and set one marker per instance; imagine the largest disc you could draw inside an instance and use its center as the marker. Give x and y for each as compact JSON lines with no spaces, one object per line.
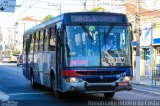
{"x":6,"y":19}
{"x":25,"y":10}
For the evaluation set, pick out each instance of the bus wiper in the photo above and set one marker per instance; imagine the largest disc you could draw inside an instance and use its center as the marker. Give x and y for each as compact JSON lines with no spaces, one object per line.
{"x":106,"y":34}
{"x":86,"y":30}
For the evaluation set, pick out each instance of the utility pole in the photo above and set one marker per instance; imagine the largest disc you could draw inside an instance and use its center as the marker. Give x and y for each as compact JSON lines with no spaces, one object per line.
{"x":84,"y":5}
{"x":60,"y":8}
{"x":138,"y":34}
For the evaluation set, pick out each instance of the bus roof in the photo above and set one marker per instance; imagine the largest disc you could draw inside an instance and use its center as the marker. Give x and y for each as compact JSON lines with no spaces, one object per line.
{"x":82,"y":17}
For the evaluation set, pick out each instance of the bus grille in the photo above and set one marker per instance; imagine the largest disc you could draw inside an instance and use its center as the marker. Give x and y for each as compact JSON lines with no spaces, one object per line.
{"x":100,"y":88}
{"x":99,"y":80}
{"x":99,"y":72}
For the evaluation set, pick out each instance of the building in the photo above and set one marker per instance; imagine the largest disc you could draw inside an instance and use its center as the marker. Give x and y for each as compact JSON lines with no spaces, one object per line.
{"x":112,"y":5}
{"x":149,"y":41}
{"x":22,"y":25}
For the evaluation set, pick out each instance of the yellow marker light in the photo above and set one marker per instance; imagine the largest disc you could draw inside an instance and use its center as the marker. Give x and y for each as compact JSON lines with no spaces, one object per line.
{"x":67,"y":79}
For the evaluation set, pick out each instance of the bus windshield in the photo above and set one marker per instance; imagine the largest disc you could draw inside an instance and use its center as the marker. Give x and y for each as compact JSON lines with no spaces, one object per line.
{"x":90,"y":45}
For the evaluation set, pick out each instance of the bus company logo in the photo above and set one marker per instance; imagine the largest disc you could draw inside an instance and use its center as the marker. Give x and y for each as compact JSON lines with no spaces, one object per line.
{"x":101,"y":77}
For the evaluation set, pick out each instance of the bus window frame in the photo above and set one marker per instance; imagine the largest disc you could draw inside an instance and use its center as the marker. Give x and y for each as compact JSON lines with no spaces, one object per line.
{"x":45,"y":40}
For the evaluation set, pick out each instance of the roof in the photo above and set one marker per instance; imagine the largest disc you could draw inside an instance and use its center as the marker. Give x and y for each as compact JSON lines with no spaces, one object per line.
{"x":131,"y":9}
{"x":30,"y":19}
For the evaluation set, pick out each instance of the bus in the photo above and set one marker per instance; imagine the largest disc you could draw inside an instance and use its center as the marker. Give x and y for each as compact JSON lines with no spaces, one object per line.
{"x":68,"y":53}
{"x":10,"y":55}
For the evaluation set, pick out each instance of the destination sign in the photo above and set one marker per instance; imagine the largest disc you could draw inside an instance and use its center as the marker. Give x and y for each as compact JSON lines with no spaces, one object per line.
{"x":93,"y":18}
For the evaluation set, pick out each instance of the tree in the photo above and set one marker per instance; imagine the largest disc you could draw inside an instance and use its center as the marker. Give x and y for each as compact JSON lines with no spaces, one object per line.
{"x":98,"y":9}
{"x":48,"y":17}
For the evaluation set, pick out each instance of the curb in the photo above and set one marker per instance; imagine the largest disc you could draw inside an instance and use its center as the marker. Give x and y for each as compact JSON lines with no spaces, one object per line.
{"x":151,"y":86}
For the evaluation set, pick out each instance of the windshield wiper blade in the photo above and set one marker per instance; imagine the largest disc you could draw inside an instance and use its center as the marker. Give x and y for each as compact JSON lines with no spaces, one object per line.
{"x":86,"y":30}
{"x":106,"y":34}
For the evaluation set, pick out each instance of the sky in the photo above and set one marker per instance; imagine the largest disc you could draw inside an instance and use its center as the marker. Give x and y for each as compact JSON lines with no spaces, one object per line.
{"x":39,"y":9}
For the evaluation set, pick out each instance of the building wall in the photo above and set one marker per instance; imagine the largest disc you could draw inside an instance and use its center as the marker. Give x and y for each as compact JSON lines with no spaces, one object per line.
{"x":22,"y":26}
{"x":112,"y":5}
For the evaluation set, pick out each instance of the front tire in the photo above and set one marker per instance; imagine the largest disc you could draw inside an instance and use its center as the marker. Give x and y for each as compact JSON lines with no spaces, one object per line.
{"x":109,"y":94}
{"x":58,"y":94}
{"x":33,"y":84}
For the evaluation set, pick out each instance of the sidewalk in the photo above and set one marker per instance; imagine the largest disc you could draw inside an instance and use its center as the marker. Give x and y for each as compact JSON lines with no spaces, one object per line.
{"x":147,"y":81}
{"x":146,"y":89}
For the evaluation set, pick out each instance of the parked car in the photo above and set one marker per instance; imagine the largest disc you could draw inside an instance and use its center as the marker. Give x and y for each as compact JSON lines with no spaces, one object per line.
{"x":5,"y":58}
{"x":19,"y":60}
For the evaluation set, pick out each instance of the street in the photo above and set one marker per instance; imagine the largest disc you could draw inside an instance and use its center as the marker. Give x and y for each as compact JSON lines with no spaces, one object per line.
{"x":16,"y":90}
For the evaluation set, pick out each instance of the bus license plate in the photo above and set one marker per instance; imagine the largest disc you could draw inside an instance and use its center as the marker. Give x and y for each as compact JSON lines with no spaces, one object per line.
{"x":122,"y":83}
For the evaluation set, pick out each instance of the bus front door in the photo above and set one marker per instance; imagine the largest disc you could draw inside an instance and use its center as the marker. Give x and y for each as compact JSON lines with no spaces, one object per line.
{"x":59,"y":57}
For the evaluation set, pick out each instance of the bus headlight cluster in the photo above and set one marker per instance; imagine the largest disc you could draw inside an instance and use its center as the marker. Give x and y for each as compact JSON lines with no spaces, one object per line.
{"x":73,"y":79}
{"x":126,"y":78}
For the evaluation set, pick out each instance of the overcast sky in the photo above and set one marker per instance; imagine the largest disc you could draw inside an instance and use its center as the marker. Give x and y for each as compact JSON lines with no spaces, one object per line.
{"x":39,"y":9}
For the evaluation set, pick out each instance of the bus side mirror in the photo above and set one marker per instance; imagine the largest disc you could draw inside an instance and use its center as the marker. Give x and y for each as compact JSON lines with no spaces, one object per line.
{"x":131,"y":31}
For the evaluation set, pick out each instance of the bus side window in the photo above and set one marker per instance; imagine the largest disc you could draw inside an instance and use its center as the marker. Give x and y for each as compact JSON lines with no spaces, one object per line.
{"x":32,"y":43}
{"x":46,"y":39}
{"x":36,"y":42}
{"x":41,"y":41}
{"x":52,"y":39}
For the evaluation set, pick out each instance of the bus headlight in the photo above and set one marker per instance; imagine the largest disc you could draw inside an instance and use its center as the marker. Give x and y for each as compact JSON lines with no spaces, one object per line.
{"x":73,"y":79}
{"x":126,"y":78}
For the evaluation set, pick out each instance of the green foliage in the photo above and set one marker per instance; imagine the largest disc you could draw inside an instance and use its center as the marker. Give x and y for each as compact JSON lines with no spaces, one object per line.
{"x":98,"y":9}
{"x":48,"y":17}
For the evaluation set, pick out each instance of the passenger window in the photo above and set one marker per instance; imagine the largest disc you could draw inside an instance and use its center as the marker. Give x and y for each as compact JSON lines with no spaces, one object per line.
{"x":41,"y":41}
{"x":32,"y":43}
{"x":36,"y":42}
{"x":46,"y":40}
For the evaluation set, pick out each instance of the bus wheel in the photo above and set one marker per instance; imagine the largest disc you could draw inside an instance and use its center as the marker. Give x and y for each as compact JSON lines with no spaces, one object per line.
{"x":51,"y":83}
{"x":33,"y":84}
{"x":58,"y":94}
{"x":109,"y":95}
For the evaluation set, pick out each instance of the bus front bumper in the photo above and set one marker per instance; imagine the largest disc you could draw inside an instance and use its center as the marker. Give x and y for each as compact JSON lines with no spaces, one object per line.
{"x":85,"y":87}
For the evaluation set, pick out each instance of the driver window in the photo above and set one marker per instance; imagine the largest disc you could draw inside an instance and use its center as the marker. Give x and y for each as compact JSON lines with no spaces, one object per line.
{"x":52,"y":38}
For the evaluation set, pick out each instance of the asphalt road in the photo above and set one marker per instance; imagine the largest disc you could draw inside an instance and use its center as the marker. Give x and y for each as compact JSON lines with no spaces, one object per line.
{"x":15,"y":90}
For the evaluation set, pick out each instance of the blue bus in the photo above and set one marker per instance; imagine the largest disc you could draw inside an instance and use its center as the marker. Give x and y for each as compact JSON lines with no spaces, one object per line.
{"x":83,"y":52}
